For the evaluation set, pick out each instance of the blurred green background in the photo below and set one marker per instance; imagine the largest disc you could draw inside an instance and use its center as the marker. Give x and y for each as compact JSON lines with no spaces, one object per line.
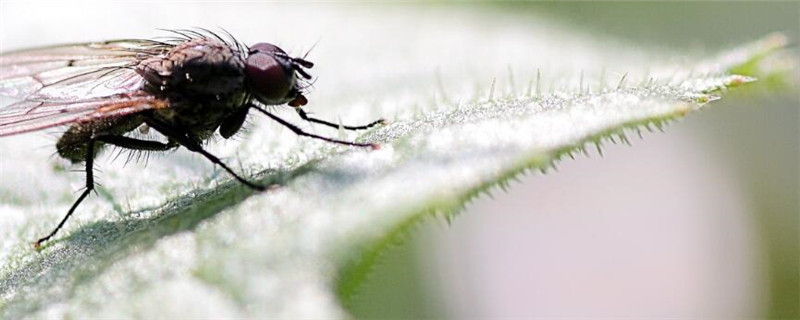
{"x":756,"y":135}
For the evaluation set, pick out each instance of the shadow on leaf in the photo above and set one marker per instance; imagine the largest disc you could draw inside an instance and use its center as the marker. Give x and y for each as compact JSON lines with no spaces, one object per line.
{"x":83,"y":255}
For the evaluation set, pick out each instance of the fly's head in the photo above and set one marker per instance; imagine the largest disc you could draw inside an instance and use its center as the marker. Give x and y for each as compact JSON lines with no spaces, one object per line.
{"x":272,"y":75}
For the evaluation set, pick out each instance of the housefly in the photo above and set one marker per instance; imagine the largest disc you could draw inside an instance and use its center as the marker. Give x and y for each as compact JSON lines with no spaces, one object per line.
{"x":188,"y":87}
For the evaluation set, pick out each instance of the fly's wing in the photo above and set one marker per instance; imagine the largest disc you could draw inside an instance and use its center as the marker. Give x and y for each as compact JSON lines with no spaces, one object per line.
{"x":25,"y":116}
{"x":77,"y":71}
{"x":74,"y":83}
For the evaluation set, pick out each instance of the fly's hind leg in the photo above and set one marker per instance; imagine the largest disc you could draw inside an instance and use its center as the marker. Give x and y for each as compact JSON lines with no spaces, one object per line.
{"x":120,"y":141}
{"x":89,"y":188}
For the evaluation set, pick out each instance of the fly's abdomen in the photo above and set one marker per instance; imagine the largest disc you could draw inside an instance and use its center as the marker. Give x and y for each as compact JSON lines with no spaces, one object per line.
{"x":74,"y":143}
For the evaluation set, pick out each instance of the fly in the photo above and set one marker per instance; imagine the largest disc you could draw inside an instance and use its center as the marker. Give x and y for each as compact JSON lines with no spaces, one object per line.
{"x":188,"y":87}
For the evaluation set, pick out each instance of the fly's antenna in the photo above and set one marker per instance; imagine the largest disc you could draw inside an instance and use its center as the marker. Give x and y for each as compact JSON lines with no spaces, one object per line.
{"x":301,"y":72}
{"x":297,"y":63}
{"x":302,"y":62}
{"x":312,"y":48}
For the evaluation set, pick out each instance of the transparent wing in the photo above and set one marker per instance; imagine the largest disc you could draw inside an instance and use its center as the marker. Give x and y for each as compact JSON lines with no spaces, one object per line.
{"x":88,"y":84}
{"x":76,"y":71}
{"x":25,"y":116}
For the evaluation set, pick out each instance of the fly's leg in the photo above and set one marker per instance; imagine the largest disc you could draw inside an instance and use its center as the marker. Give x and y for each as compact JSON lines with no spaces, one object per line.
{"x":304,"y":116}
{"x":300,"y":132}
{"x":184,"y":140}
{"x":136,"y":144}
{"x":89,"y":188}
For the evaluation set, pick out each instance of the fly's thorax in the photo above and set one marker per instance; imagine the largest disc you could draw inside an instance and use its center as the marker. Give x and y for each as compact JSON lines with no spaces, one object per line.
{"x":196,"y":69}
{"x":203,"y":80}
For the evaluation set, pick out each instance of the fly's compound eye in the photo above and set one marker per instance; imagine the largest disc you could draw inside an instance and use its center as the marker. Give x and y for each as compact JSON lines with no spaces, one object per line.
{"x":270,"y":76}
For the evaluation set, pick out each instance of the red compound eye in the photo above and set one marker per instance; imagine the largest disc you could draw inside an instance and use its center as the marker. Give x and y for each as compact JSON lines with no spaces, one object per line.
{"x":270,"y":74}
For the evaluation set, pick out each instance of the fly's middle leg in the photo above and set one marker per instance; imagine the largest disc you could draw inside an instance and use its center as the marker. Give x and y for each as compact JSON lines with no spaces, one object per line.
{"x":137,"y":144}
{"x":183,"y":139}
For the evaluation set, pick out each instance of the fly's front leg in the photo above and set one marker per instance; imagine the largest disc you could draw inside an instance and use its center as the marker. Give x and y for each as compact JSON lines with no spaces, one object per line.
{"x":304,"y":116}
{"x":89,"y":188}
{"x":300,"y":132}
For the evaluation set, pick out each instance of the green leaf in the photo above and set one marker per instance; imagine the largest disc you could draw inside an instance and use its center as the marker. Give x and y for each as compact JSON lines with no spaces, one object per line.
{"x":188,"y":244}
